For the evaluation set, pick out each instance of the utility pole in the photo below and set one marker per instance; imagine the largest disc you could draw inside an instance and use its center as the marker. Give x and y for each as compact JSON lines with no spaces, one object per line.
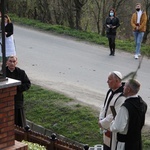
{"x":2,"y":41}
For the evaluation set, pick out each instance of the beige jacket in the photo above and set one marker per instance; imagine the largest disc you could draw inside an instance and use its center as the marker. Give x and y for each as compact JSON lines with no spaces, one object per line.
{"x":143,"y":21}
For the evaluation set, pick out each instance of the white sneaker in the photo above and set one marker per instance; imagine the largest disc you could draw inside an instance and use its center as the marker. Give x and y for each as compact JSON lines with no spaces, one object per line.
{"x":136,"y":56}
{"x":139,"y":55}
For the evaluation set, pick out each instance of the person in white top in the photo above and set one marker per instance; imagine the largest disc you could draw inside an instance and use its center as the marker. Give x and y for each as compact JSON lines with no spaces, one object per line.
{"x":113,"y":98}
{"x":138,"y":23}
{"x":9,"y":40}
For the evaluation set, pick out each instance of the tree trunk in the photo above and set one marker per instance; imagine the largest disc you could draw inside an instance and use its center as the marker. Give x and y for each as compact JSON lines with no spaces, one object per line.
{"x":97,"y":15}
{"x":78,"y":19}
{"x":147,"y":6}
{"x":147,"y":31}
{"x":68,"y":6}
{"x":78,"y":8}
{"x":103,"y":18}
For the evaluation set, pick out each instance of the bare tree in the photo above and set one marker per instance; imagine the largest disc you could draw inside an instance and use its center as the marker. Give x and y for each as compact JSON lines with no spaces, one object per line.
{"x":103,"y":17}
{"x":57,"y":11}
{"x":97,"y":13}
{"x":42,"y":8}
{"x":117,"y":4}
{"x":78,"y":8}
{"x":68,"y":9}
{"x":147,"y":7}
{"x":105,"y":8}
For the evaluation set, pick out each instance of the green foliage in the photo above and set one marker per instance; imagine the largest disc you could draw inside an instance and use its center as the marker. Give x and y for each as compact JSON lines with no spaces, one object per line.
{"x":62,"y":115}
{"x":33,"y":146}
{"x":146,"y":141}
{"x":125,"y":45}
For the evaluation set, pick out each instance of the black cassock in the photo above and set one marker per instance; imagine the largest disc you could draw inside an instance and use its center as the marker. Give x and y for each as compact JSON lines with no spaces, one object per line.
{"x":19,"y":74}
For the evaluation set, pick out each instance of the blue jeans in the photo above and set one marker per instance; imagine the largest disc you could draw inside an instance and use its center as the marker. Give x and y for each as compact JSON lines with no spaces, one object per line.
{"x":138,"y":37}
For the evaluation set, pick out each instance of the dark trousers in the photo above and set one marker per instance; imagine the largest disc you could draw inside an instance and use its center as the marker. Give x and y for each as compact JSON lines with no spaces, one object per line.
{"x":20,"y":119}
{"x":112,"y":45}
{"x":105,"y":147}
{"x":133,"y":145}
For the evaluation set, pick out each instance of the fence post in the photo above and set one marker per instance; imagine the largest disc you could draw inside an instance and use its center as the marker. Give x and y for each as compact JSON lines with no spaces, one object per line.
{"x":27,"y":129}
{"x":53,"y":139}
{"x":86,"y":147}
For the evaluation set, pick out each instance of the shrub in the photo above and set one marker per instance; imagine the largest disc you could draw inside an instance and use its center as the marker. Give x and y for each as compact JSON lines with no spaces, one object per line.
{"x":33,"y":146}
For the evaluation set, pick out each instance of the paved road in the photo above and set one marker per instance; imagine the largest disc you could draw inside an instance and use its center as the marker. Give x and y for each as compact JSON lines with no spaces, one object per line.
{"x":76,"y":68}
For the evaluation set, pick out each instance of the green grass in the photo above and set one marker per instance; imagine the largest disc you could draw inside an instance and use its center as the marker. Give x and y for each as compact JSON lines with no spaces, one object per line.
{"x":65,"y":116}
{"x":62,"y":115}
{"x":125,"y":45}
{"x":146,"y":140}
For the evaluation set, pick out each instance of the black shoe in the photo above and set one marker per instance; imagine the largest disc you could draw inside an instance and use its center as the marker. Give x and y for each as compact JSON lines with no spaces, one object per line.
{"x":110,"y":54}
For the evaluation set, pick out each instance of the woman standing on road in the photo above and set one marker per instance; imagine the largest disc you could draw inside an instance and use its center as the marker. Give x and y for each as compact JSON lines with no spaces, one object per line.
{"x":112,"y":23}
{"x":9,"y":40}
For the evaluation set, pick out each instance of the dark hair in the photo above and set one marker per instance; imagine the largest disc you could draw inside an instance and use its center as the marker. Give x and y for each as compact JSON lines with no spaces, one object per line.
{"x":112,"y":9}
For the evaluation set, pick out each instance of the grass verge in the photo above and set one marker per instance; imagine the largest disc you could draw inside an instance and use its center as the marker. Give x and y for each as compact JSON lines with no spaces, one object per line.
{"x":62,"y":115}
{"x":65,"y":116}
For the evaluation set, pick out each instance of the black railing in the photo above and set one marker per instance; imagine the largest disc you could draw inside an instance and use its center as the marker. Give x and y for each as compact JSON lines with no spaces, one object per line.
{"x":52,"y":142}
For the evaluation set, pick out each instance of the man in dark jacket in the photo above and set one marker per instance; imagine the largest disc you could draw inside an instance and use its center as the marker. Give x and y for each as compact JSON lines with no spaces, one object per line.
{"x":16,"y":73}
{"x":130,"y":119}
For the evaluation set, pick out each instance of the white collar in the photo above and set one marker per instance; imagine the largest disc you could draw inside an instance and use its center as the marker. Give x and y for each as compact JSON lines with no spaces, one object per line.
{"x":132,"y":96}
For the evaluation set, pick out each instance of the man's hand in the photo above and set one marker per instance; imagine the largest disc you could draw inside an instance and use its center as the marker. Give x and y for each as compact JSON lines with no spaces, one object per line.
{"x":99,"y":124}
{"x":108,"y":26}
{"x":137,"y":26}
